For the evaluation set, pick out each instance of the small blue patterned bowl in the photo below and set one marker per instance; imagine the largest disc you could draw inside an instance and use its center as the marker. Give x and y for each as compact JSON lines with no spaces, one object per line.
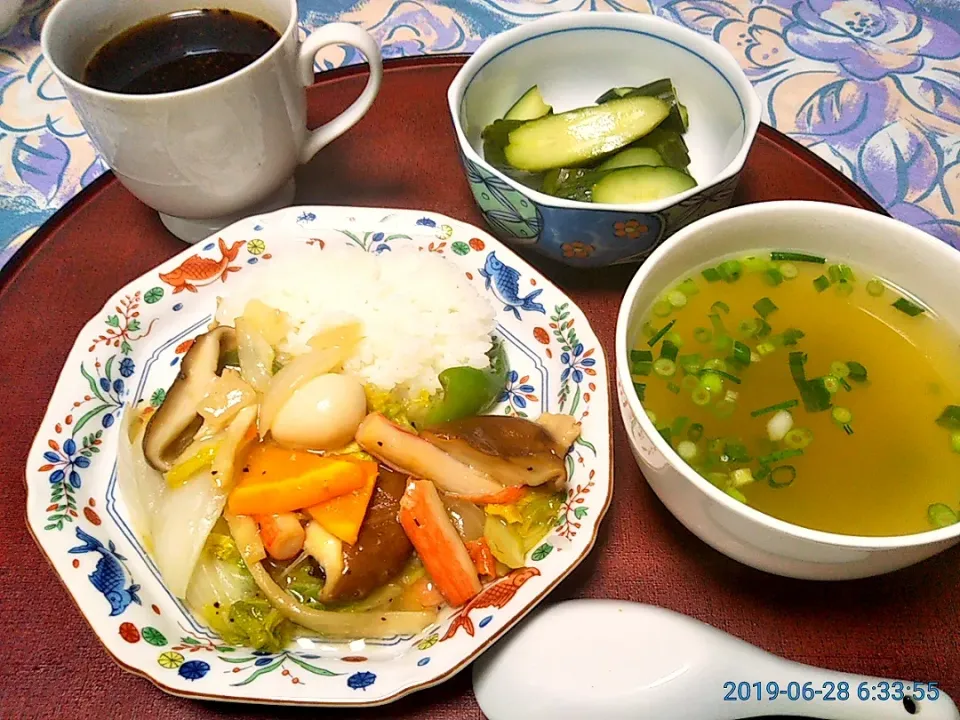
{"x":573,"y":58}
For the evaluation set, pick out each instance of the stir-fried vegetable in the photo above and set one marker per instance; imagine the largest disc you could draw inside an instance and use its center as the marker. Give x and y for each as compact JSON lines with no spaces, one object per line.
{"x":343,"y":515}
{"x":468,"y":391}
{"x":513,"y":530}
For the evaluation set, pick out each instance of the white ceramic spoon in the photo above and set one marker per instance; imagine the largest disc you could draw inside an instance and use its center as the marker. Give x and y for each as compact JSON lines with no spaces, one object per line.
{"x":607,"y":660}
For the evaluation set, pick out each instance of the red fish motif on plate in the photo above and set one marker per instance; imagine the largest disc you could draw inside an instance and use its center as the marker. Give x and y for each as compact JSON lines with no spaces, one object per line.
{"x":197,"y":271}
{"x":493,"y":596}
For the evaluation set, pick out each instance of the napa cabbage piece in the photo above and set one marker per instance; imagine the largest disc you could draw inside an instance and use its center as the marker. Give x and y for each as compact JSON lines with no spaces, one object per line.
{"x":223,"y":593}
{"x":514,"y":530}
{"x":172,"y":522}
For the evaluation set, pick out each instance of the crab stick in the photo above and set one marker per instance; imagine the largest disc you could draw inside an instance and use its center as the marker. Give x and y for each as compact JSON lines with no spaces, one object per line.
{"x":426,"y":523}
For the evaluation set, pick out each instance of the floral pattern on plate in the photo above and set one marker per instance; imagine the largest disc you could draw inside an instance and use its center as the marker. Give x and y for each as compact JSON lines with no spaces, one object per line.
{"x":131,"y":350}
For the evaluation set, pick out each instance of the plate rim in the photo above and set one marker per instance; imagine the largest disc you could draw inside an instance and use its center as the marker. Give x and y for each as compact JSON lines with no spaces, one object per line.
{"x":403,"y":689}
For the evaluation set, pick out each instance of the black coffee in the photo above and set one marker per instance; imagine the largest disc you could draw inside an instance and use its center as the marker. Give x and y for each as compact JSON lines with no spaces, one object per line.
{"x":179,"y":51}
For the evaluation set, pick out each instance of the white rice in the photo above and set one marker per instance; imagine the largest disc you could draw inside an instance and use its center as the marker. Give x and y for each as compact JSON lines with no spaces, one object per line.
{"x":418,"y":311}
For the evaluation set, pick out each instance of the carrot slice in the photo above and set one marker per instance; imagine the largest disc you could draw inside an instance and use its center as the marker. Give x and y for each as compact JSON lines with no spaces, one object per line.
{"x":482,"y":557}
{"x":343,"y":515}
{"x":282,"y":535}
{"x":426,"y":523}
{"x":324,"y":482}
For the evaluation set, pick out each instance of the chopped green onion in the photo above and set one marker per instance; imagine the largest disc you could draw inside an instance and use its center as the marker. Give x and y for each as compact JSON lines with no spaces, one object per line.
{"x":675,"y":337}
{"x":721,"y":373}
{"x":720,"y":307}
{"x":841,"y":415}
{"x":779,"y":455}
{"x":701,"y":334}
{"x":846,"y":385}
{"x":821,"y":283}
{"x":907,"y":307}
{"x":673,"y":387}
{"x":641,"y":362}
{"x":660,"y":333}
{"x":754,"y":264}
{"x":773,"y":276}
{"x":815,"y":396}
{"x":789,"y":271}
{"x":764,"y":307}
{"x":741,"y":477}
{"x":798,"y":438}
{"x":839,"y":369}
{"x":791,"y":336}
{"x":641,"y":356}
{"x":668,"y":350}
{"x":662,"y":308}
{"x":730,"y":270}
{"x":689,"y":382}
{"x":710,"y":274}
{"x":835,"y":273}
{"x":715,"y":364}
{"x":748,"y":328}
{"x":641,"y":390}
{"x":814,"y":393}
{"x":695,"y":432}
{"x":875,"y":287}
{"x":711,"y":382}
{"x":679,"y":425}
{"x":955,"y":442}
{"x":717,"y":322}
{"x":786,"y":405}
{"x":718,"y":478}
{"x":832,"y":384}
{"x":844,"y":288}
{"x":666,"y":434}
{"x":722,"y":343}
{"x":941,"y":515}
{"x":782,"y":476}
{"x":857,"y":371}
{"x":797,"y":257}
{"x":649,"y":330}
{"x":688,"y":287}
{"x":665,"y":367}
{"x":736,"y":494}
{"x":724,"y":408}
{"x":641,"y":369}
{"x":741,"y":352}
{"x":700,"y":396}
{"x":761,"y":473}
{"x":766,"y":348}
{"x":687,"y":450}
{"x":765,"y":329}
{"x":950,"y":418}
{"x":735,"y":452}
{"x":676,"y":298}
{"x":846,"y":273}
{"x":652,"y":416}
{"x":690,"y":363}
{"x":848,"y":429}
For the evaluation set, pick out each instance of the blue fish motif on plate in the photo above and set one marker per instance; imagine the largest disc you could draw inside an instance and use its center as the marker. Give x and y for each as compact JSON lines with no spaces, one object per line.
{"x":109,"y":576}
{"x":504,"y":282}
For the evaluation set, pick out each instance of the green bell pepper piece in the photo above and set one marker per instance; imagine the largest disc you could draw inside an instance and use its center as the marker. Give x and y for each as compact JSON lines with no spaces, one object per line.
{"x":468,"y":391}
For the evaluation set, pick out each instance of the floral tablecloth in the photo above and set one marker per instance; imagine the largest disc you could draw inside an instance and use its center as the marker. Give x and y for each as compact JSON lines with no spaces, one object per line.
{"x":873,"y":86}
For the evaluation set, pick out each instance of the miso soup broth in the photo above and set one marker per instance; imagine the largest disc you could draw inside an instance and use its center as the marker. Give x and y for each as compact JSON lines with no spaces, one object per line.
{"x":810,"y":390}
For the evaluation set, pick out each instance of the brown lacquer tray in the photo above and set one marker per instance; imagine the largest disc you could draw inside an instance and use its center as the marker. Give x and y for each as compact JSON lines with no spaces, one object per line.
{"x":403,"y":154}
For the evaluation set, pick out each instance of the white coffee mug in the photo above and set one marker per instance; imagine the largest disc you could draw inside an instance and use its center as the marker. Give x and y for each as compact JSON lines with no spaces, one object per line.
{"x":207,"y":155}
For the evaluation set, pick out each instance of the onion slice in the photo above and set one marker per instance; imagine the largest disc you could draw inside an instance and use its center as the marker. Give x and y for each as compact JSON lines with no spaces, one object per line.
{"x":256,"y":356}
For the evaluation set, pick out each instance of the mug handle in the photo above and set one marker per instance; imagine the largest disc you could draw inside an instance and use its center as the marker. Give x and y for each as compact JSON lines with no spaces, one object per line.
{"x":339,"y":34}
